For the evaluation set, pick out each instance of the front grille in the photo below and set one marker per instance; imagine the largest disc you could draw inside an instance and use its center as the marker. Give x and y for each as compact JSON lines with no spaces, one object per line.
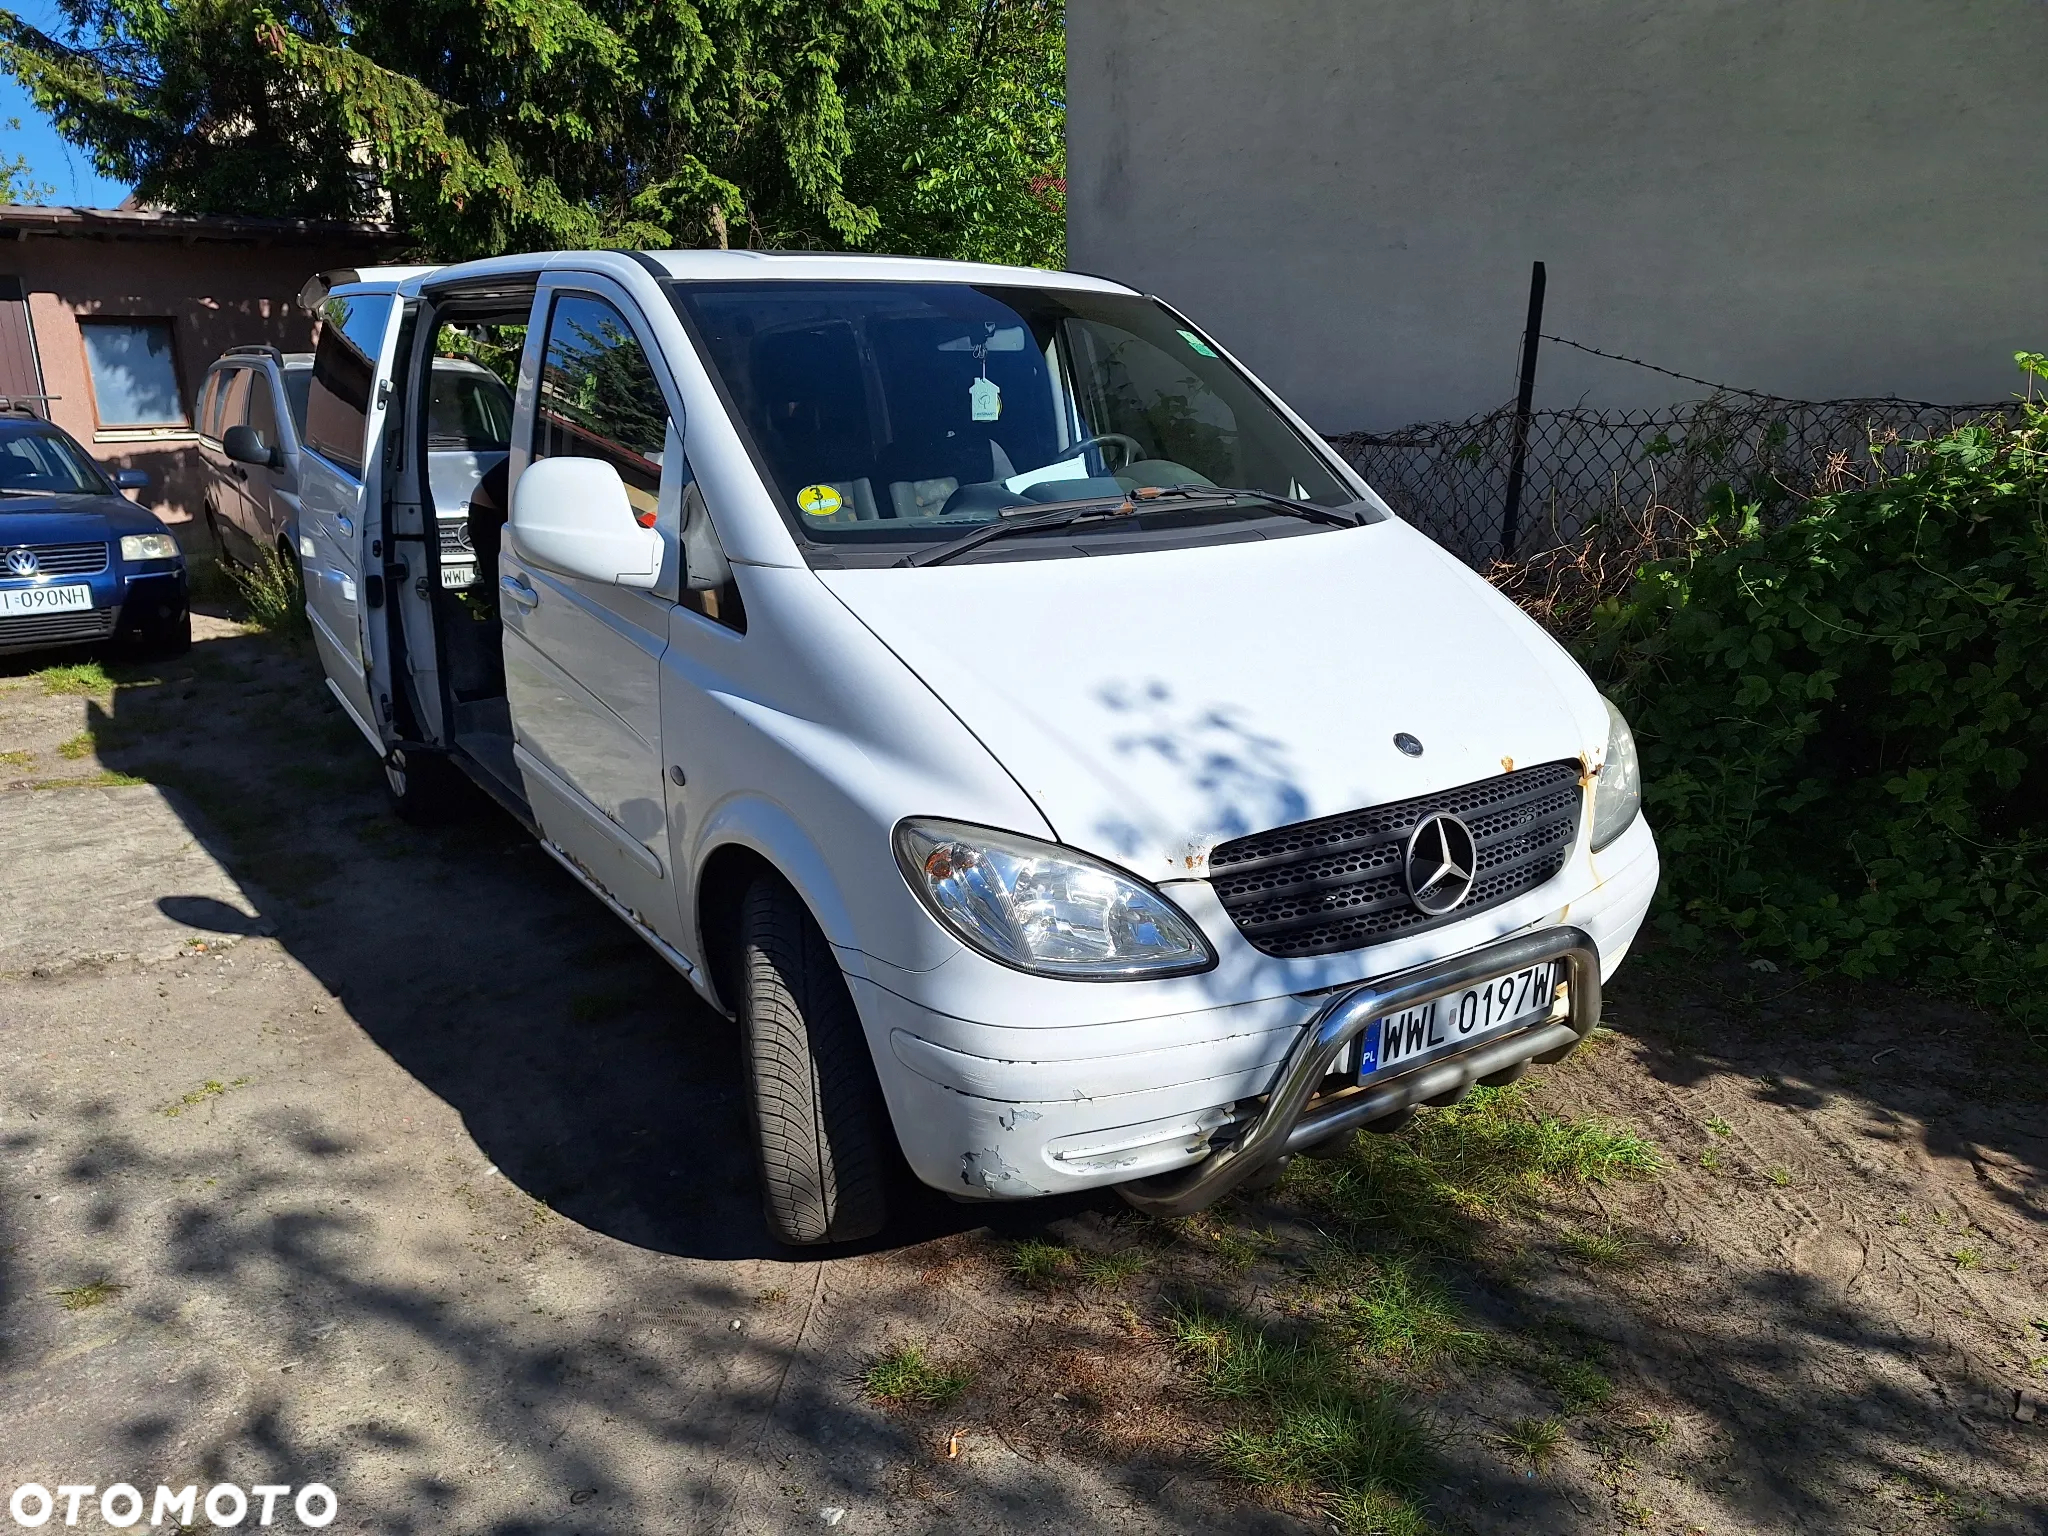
{"x":56,"y":628}
{"x":1319,"y":887}
{"x":455,"y":541}
{"x":61,"y":559}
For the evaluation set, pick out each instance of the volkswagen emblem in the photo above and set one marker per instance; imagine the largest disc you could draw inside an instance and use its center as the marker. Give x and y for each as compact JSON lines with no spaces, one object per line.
{"x":22,"y":562}
{"x":1440,"y":864}
{"x":1407,"y":745}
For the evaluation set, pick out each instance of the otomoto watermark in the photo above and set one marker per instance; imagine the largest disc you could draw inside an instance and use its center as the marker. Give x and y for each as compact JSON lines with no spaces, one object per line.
{"x":222,"y":1506}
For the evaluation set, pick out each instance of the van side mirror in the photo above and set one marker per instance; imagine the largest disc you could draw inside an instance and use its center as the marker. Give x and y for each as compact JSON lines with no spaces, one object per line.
{"x":572,"y":516}
{"x":245,"y":445}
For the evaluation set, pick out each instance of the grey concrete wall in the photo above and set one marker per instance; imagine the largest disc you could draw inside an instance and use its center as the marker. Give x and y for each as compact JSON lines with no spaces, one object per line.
{"x":1819,"y":198}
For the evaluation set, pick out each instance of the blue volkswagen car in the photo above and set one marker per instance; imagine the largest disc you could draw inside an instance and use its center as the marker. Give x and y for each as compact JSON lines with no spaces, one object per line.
{"x":81,"y":564}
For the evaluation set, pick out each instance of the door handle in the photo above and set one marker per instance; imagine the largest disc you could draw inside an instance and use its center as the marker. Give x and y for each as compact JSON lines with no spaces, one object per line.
{"x":515,"y":587}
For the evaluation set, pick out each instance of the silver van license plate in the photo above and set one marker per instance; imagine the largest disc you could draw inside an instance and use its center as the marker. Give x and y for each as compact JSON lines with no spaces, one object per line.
{"x":1461,"y":1019}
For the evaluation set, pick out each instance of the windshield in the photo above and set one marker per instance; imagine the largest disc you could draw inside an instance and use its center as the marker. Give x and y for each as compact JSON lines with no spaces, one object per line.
{"x":38,"y":461}
{"x":894,"y":415}
{"x":469,"y":408}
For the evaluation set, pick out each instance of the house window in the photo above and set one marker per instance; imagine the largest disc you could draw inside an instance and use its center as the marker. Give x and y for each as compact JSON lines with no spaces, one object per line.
{"x":134,"y":373}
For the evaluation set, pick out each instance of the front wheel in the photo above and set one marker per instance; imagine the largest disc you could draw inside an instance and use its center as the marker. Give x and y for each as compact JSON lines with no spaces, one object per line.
{"x":819,"y":1122}
{"x":421,"y":786}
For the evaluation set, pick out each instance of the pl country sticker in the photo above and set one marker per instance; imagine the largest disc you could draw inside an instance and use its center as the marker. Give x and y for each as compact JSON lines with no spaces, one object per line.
{"x":819,"y":500}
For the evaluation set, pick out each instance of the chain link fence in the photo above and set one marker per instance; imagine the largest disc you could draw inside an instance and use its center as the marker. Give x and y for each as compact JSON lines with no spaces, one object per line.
{"x":1637,"y":474}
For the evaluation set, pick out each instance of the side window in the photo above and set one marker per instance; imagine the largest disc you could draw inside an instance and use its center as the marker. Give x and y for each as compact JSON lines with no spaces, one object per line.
{"x":599,"y":399}
{"x":263,"y":407}
{"x":344,"y":372}
{"x":233,"y":402}
{"x":208,"y":393}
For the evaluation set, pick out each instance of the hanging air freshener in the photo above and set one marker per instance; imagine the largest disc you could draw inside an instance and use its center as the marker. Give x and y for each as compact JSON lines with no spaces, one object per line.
{"x":984,"y":397}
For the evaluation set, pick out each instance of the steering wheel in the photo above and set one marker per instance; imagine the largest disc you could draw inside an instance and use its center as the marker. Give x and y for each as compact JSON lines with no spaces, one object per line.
{"x":1133,"y":449}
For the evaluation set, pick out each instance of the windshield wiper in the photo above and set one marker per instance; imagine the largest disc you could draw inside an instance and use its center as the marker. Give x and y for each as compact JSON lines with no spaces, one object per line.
{"x":1053,"y":514}
{"x":1314,"y":511}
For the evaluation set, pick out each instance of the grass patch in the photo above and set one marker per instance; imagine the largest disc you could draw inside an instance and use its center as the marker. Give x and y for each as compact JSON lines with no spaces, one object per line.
{"x":1111,"y":1271}
{"x":204,"y":1093}
{"x":76,"y":679}
{"x":270,"y":595}
{"x":1401,"y":1314}
{"x":106,"y":778}
{"x":1535,"y":1441}
{"x":1491,"y":1154}
{"x":1308,"y":1426}
{"x":1719,"y":1127}
{"x":16,"y":759}
{"x":904,"y":1378}
{"x":1711,"y":1160}
{"x":79,"y":1298}
{"x":1040,"y":1264}
{"x":1779,"y":1176}
{"x":1603,"y":1250}
{"x":1967,"y":1258}
{"x":1581,"y":1386}
{"x":78,"y":746}
{"x":1238,"y":1247}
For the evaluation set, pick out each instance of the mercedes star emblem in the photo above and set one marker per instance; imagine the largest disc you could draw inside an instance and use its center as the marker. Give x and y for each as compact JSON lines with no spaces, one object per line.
{"x":1407,"y":745}
{"x":1440,"y":864}
{"x":21,"y":562}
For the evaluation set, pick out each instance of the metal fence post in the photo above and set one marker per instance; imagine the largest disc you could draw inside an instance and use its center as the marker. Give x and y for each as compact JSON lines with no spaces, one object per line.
{"x":1511,"y":514}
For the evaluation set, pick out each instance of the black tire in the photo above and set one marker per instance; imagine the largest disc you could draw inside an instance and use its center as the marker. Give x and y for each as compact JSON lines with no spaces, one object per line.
{"x":818,"y":1118}
{"x":174,"y":639}
{"x":422,"y":786}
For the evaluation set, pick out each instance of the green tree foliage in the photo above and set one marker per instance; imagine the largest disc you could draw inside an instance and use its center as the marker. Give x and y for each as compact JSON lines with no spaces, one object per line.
{"x":1844,"y":720}
{"x":479,"y":126}
{"x":972,"y":161}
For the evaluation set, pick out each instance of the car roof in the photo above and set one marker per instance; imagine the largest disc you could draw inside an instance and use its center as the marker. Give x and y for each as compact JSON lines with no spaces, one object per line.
{"x":729,"y":266}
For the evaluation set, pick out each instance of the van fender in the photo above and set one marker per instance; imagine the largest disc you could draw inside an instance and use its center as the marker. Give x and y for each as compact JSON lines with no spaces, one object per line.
{"x":768,"y":830}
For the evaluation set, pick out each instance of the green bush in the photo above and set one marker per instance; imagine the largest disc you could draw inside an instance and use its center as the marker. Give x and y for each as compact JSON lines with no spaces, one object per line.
{"x":1844,"y":720}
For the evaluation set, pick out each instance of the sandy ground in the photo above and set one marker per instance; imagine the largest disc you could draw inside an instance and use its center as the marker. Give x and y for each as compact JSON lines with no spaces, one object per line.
{"x":418,"y":1176}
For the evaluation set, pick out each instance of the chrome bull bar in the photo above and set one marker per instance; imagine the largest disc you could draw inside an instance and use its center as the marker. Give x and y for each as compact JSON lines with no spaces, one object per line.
{"x":1285,"y":1125}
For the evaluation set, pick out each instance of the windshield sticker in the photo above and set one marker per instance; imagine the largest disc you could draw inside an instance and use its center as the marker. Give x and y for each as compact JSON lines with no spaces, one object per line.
{"x":984,"y":400}
{"x":819,"y":500}
{"x":1197,"y":343}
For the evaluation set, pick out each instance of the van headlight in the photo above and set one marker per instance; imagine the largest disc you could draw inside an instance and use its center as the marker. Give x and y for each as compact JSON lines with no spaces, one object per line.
{"x":1046,"y":909}
{"x":148,"y":546}
{"x":1618,"y":789}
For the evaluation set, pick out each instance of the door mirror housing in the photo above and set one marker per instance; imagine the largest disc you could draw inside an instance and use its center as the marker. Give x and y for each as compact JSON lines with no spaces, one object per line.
{"x":131,"y":479}
{"x":572,"y":516}
{"x":245,"y":445}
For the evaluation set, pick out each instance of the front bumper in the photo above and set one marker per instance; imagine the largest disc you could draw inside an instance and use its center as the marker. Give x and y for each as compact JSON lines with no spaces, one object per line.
{"x":1055,"y":1101}
{"x":1287,"y":1122}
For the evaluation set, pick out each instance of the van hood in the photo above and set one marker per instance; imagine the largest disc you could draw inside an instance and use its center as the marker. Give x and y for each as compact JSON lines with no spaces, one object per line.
{"x":1153,"y":705}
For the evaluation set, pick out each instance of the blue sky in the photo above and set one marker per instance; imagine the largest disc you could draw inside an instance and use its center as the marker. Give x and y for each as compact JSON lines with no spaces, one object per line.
{"x":50,"y":159}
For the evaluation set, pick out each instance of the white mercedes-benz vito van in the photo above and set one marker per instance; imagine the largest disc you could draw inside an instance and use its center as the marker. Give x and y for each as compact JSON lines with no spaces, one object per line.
{"x":1062,"y":765}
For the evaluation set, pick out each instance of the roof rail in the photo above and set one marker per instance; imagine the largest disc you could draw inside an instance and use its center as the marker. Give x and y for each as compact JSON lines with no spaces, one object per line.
{"x":243,"y":351}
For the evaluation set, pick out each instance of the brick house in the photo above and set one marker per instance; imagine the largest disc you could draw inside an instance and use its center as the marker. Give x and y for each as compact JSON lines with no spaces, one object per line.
{"x":114,"y":314}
